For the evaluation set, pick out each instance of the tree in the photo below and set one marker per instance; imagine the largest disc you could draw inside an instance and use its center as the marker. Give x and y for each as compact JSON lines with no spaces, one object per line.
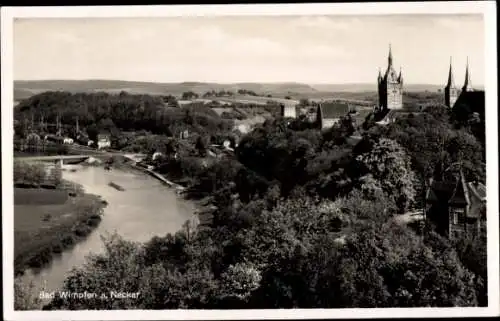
{"x":473,"y":255}
{"x":189,"y":95}
{"x":201,"y":146}
{"x":118,"y":269}
{"x":389,"y":164}
{"x":25,"y":296}
{"x":239,"y":281}
{"x":92,"y":131}
{"x":304,"y":102}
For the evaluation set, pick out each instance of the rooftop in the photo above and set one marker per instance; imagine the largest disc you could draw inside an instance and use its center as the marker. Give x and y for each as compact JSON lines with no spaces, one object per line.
{"x":333,"y":109}
{"x":459,"y":194}
{"x":471,"y":101}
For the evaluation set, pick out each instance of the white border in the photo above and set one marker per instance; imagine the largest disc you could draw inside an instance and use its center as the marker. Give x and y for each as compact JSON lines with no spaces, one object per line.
{"x":463,"y":7}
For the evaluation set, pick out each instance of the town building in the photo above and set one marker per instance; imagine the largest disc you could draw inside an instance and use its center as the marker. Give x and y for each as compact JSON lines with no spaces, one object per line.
{"x":330,"y":113}
{"x":184,"y":134}
{"x":390,"y":87}
{"x":103,"y":141}
{"x":68,"y":140}
{"x":458,"y":209}
{"x":288,"y":110}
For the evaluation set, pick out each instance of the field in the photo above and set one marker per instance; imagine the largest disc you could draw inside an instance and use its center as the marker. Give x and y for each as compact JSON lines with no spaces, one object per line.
{"x":242,"y":99}
{"x":48,"y":221}
{"x":258,"y":100}
{"x":39,"y":197}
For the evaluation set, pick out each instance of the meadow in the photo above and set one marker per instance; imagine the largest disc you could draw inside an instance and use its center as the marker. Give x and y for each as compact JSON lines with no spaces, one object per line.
{"x":47,"y":221}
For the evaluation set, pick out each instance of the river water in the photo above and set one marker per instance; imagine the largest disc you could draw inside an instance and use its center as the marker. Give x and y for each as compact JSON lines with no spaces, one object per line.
{"x":146,"y":208}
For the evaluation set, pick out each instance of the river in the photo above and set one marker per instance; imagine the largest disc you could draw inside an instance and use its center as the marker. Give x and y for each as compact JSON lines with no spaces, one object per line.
{"x":146,"y":208}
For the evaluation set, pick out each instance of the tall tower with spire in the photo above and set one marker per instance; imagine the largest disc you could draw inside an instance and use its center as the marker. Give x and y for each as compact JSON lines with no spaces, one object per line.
{"x":450,"y":91}
{"x":390,"y":86}
{"x":467,"y":83}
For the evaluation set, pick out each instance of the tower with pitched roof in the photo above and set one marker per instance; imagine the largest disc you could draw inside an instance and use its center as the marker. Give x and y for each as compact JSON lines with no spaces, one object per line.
{"x":390,"y":87}
{"x":450,"y":91}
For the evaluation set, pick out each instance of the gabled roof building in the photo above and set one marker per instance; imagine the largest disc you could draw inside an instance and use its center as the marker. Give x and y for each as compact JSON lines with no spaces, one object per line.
{"x":329,"y":113}
{"x":457,"y":208}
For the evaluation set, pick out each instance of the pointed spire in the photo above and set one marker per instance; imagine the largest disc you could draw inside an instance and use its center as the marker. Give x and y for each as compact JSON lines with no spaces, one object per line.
{"x":451,"y":81}
{"x":379,"y":74}
{"x":400,"y":78}
{"x":390,"y":55}
{"x":467,"y":83}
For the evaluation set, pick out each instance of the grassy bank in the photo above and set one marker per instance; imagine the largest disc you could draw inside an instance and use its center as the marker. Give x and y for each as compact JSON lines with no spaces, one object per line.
{"x":48,"y":221}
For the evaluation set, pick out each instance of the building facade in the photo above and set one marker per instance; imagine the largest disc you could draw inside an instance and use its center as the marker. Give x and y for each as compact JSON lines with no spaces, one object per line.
{"x":103,"y":141}
{"x":458,"y":209}
{"x":288,"y":111}
{"x":390,"y":87}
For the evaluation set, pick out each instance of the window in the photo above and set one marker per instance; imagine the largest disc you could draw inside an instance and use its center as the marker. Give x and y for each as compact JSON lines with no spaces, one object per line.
{"x":457,"y":216}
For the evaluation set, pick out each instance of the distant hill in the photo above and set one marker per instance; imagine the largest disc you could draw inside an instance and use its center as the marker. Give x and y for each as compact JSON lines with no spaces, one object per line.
{"x":371,"y":87}
{"x":24,"y":89}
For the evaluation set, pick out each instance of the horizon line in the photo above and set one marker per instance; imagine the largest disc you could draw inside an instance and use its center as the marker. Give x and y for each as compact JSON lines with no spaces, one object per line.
{"x":230,"y":83}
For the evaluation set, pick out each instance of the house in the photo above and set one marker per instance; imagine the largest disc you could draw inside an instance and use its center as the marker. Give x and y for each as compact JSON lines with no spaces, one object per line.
{"x":458,"y":209}
{"x":103,"y":141}
{"x":329,"y":113}
{"x":288,"y":110}
{"x":184,"y":134}
{"x":67,"y":140}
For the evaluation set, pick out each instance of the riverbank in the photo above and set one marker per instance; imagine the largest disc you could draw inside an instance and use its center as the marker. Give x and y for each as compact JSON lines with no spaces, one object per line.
{"x":179,"y":188}
{"x":49,"y":221}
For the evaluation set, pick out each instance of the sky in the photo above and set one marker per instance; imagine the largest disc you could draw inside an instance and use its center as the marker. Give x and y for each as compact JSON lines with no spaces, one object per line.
{"x":307,"y":49}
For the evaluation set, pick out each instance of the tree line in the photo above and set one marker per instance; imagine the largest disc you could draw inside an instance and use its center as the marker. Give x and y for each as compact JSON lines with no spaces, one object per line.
{"x":117,"y":113}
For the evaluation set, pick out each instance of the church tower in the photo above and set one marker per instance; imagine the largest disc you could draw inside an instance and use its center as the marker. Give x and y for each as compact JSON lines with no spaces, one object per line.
{"x":467,"y":84}
{"x":390,"y":87}
{"x":450,"y":91}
